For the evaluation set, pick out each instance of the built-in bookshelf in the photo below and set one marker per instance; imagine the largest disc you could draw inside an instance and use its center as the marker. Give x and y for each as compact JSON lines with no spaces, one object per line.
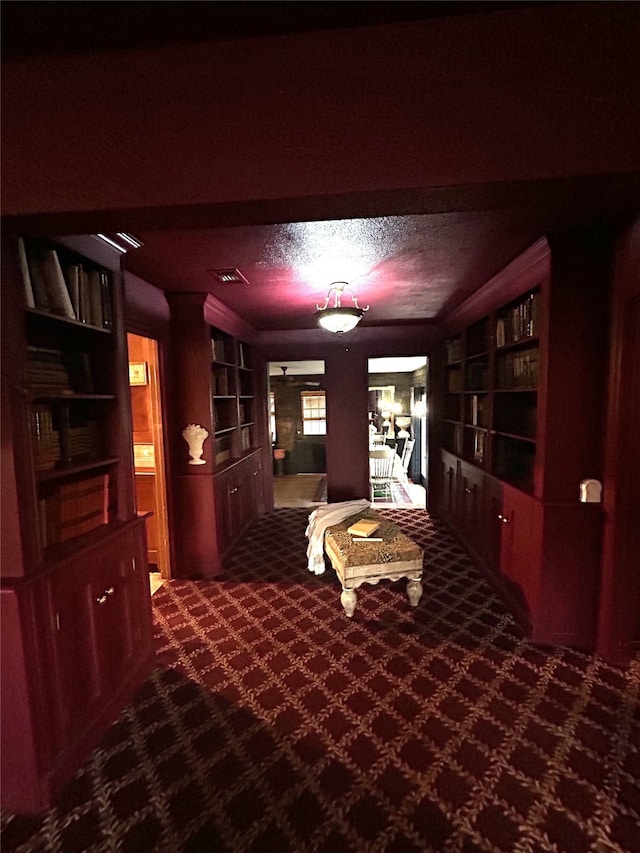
{"x":453,"y":388}
{"x":490,"y":391}
{"x":76,"y":609}
{"x":531,"y":346}
{"x":515,"y":399}
{"x":232,"y":385}
{"x":70,"y":391}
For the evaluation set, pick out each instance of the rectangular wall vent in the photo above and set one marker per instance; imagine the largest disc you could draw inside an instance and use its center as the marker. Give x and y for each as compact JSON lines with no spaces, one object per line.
{"x":228,"y":276}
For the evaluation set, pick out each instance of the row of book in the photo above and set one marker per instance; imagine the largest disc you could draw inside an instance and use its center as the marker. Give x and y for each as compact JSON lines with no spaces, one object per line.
{"x":58,"y":371}
{"x":66,"y":288}
{"x":245,"y":439}
{"x":70,"y":509}
{"x":45,"y":440}
{"x":520,"y":322}
{"x":519,"y":369}
{"x":53,"y":439}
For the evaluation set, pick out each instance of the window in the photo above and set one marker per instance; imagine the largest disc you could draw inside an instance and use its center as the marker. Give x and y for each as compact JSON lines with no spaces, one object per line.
{"x":314,"y":413}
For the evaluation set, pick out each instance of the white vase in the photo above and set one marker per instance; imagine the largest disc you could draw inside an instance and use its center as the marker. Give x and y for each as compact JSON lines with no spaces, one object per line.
{"x":194,"y":435}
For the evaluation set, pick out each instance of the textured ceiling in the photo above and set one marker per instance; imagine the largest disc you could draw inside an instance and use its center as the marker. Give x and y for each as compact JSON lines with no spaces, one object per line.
{"x":407,"y":269}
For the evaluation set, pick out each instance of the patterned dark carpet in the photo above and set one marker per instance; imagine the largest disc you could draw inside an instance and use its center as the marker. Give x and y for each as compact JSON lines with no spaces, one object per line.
{"x":275,"y":723}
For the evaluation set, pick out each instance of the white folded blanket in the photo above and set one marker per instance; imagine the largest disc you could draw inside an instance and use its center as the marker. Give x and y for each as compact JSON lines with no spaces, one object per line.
{"x":321,"y":518}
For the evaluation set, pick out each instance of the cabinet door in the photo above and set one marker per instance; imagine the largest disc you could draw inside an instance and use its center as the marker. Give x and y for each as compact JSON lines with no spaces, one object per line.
{"x":76,"y":673}
{"x":256,"y":498}
{"x":119,"y":593}
{"x":449,"y":504}
{"x":515,"y":537}
{"x":101,"y":613}
{"x":472,"y":518}
{"x":226,"y":524}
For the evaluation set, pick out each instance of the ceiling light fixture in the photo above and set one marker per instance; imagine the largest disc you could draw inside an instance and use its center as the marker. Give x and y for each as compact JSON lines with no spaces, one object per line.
{"x":339,"y":318}
{"x":121,"y":241}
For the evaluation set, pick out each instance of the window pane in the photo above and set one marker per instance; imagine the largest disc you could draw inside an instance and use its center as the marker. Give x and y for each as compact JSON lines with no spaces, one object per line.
{"x":313,"y":413}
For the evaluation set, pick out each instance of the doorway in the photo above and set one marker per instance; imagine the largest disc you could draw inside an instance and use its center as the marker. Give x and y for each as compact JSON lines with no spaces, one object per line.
{"x":297,"y":410}
{"x":398,"y":418}
{"x":148,"y":452}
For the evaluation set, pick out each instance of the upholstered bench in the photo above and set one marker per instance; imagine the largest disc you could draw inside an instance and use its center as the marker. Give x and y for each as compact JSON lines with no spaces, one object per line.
{"x":355,"y":563}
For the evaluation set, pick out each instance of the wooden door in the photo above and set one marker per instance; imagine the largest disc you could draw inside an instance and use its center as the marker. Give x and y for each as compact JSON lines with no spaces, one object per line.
{"x":148,"y":448}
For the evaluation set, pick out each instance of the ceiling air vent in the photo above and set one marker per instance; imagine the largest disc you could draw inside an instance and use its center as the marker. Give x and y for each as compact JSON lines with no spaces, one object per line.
{"x":228,"y":276}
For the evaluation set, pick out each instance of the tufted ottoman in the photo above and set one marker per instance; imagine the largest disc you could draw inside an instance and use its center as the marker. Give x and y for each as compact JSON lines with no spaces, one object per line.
{"x":355,"y":563}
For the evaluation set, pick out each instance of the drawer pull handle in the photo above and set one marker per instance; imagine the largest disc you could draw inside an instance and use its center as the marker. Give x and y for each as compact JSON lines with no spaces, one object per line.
{"x":503,"y":518}
{"x":468,"y":491}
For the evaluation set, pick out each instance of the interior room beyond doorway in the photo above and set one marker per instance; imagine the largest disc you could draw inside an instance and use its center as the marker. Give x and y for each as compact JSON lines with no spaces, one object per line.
{"x":297,"y":412}
{"x":398,"y":419}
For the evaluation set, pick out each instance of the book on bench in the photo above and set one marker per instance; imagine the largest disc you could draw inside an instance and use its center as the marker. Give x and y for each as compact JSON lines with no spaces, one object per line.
{"x":363,"y":528}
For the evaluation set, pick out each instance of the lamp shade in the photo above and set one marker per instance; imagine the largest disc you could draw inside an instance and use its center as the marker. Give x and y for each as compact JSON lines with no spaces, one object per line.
{"x":339,"y":320}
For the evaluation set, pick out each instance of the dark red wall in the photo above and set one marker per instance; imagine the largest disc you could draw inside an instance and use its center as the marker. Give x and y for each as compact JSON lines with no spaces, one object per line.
{"x":536,"y":93}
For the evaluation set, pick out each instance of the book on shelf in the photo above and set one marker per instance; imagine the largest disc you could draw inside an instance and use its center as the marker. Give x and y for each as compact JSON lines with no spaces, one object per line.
{"x":59,"y":370}
{"x":105,"y":298}
{"x":73,"y":273}
{"x":47,"y":368}
{"x":519,"y":370}
{"x":520,"y":321}
{"x":94,"y":298}
{"x":45,"y":440}
{"x":49,"y":286}
{"x":71,"y":509}
{"x":26,"y":275}
{"x":217,"y":349}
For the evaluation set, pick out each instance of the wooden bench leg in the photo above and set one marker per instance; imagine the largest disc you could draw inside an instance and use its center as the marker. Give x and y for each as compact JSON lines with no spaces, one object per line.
{"x":414,"y":592}
{"x":349,"y":600}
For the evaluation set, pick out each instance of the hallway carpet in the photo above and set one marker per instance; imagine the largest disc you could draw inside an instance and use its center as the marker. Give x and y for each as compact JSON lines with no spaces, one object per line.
{"x":275,"y":723}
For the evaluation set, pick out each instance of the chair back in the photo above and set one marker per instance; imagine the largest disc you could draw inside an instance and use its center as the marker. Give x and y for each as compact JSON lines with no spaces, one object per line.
{"x":377,"y":438}
{"x":407,"y":450}
{"x":381,"y":463}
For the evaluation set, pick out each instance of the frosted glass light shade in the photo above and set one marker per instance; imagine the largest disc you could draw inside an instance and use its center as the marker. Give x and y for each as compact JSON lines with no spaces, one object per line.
{"x":339,"y":320}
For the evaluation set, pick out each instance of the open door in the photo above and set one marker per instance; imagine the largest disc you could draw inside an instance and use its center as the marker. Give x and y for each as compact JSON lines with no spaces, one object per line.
{"x":148,"y":449}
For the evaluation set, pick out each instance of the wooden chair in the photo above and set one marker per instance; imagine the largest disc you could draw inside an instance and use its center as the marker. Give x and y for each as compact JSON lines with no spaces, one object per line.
{"x":381,"y":472}
{"x":407,"y":450}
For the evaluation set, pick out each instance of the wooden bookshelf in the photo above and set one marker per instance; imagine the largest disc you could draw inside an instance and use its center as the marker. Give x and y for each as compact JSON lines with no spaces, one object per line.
{"x":233,"y":397}
{"x":225,"y":493}
{"x":75,"y":594}
{"x":516,"y":412}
